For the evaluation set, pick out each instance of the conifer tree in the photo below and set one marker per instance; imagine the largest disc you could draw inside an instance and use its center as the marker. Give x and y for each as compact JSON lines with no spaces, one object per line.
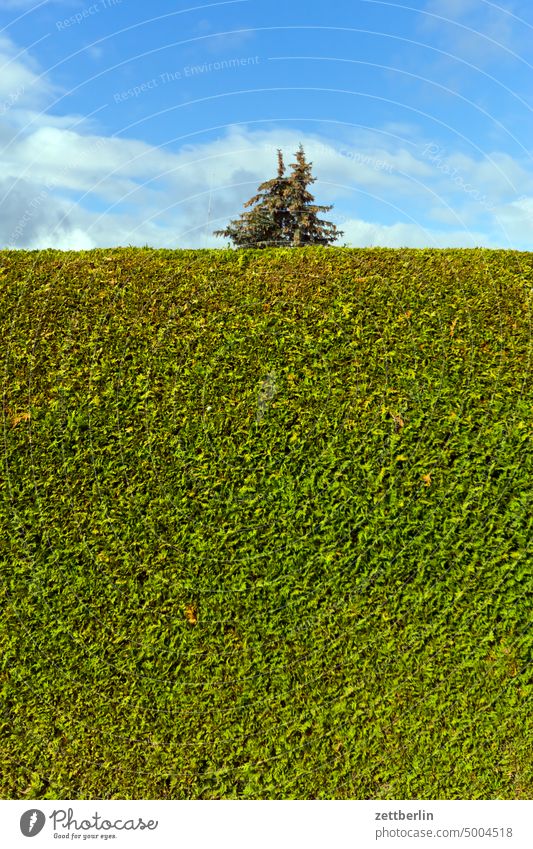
{"x":307,"y":228}
{"x":284,"y":213}
{"x":268,"y":223}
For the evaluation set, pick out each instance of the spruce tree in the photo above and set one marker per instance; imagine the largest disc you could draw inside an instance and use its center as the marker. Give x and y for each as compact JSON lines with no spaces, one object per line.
{"x":268,"y":223}
{"x":307,"y":228}
{"x":283,"y":212}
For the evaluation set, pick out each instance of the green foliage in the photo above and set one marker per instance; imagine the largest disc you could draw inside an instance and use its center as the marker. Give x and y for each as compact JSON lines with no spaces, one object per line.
{"x":283,"y":213}
{"x":265,"y":524}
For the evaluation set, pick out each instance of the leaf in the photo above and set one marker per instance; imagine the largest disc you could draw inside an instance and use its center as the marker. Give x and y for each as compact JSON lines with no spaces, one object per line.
{"x":20,"y":417}
{"x":398,"y":422}
{"x":191,"y":614}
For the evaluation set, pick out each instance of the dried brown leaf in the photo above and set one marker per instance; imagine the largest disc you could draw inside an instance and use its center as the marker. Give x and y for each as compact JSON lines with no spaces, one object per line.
{"x":191,"y":614}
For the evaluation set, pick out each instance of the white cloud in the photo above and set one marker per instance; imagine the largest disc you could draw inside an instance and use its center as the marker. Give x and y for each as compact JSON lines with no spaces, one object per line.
{"x":516,"y":218}
{"x":360,"y":233}
{"x":497,"y":177}
{"x":453,"y":8}
{"x":483,"y":32}
{"x":159,"y":197}
{"x":219,"y":42}
{"x":21,"y":82}
{"x":65,"y":184}
{"x":401,"y":129}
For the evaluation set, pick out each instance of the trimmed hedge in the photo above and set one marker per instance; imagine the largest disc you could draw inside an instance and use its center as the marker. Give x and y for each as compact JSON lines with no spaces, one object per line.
{"x":264,"y":524}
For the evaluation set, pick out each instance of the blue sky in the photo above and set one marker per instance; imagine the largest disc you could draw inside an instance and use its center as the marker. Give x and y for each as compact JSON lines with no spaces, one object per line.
{"x":124,"y":123}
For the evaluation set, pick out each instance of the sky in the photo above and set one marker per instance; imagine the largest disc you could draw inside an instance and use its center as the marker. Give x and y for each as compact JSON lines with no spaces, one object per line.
{"x":126,"y":123}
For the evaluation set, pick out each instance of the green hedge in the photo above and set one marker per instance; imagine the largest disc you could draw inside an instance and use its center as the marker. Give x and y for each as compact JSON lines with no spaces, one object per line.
{"x":264,"y":524}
